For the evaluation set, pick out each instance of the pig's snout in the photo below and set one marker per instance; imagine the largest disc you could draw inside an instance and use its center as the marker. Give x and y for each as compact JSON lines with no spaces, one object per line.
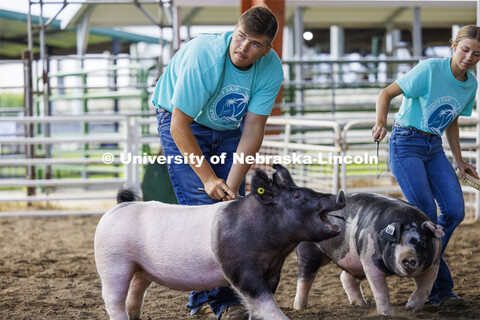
{"x":341,"y":199}
{"x":410,"y":264}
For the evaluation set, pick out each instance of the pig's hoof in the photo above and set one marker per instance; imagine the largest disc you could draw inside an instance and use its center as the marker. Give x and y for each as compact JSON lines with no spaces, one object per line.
{"x":414,"y":304}
{"x":412,"y":308}
{"x":298,"y":306}
{"x":358,"y":302}
{"x":300,"y":303}
{"x":389,"y":313}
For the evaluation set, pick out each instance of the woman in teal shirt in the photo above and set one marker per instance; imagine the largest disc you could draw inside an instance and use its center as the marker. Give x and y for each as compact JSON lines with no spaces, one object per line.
{"x":436,"y":92}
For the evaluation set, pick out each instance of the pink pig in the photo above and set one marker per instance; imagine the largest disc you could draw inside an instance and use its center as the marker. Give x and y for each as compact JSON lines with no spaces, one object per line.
{"x":242,"y":242}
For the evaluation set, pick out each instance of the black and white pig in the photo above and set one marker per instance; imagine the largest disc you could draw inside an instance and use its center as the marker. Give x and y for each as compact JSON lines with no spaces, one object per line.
{"x":244,"y":242}
{"x":380,"y":236}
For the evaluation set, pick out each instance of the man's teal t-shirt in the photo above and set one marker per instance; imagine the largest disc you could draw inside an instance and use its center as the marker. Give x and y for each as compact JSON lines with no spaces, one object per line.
{"x":201,"y":81}
{"x":433,"y":98}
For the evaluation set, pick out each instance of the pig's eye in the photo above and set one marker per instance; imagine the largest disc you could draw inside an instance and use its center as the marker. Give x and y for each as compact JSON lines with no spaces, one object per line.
{"x":413,"y":241}
{"x":297,"y":195}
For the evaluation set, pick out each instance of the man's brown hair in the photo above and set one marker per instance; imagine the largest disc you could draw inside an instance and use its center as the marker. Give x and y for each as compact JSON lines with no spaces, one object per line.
{"x":259,"y":21}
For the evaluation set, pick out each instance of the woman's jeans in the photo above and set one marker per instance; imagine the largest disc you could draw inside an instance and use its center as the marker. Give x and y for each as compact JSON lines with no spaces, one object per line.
{"x":186,"y":183}
{"x":425,"y":176}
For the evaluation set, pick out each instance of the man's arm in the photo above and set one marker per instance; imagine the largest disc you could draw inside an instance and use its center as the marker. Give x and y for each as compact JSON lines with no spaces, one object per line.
{"x":187,"y":143}
{"x":250,"y":142}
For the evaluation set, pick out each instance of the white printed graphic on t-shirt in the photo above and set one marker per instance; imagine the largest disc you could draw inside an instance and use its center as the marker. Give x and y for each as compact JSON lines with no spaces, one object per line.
{"x":229,"y":105}
{"x":440,"y":114}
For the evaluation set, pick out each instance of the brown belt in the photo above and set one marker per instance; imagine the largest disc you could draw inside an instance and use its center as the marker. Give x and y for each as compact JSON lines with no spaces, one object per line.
{"x":423,"y":133}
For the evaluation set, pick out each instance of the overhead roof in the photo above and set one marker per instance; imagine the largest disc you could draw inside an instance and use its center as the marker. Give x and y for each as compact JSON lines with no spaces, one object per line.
{"x":104,"y":16}
{"x":317,"y":14}
{"x":13,"y":36}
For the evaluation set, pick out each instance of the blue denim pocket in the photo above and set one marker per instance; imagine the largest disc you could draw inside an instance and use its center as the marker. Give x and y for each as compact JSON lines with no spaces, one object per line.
{"x":163,"y":118}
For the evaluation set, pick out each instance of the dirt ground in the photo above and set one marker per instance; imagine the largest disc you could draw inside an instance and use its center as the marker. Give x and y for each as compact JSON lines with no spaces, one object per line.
{"x":47,"y":271}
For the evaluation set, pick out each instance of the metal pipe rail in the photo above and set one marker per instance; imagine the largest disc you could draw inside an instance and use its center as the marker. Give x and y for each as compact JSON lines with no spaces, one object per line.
{"x":128,"y":139}
{"x":52,"y":198}
{"x":299,"y":146}
{"x":61,"y":182}
{"x":11,"y":87}
{"x":63,"y":119}
{"x":49,"y":213}
{"x":100,"y":71}
{"x":53,"y":161}
{"x":94,"y":56}
{"x":113,"y":87}
{"x":131,"y":2}
{"x":346,"y":60}
{"x":288,"y":123}
{"x":73,"y":139}
{"x":342,"y":141}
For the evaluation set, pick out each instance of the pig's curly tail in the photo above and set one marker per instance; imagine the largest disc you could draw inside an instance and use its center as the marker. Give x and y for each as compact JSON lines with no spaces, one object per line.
{"x":127,"y":194}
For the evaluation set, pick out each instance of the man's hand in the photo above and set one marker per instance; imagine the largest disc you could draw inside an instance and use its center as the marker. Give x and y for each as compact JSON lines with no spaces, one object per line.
{"x":186,"y":142}
{"x":217,"y":189}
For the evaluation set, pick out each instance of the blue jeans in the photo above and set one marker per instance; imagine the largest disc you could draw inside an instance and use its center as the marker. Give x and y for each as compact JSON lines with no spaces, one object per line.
{"x":186,"y":183}
{"x":427,"y":178}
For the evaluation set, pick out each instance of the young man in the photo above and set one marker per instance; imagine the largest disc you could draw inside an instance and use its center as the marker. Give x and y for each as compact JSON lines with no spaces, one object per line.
{"x":212,"y":101}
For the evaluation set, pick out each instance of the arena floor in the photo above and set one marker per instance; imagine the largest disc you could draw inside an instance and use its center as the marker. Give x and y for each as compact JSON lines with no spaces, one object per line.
{"x":47,"y":271}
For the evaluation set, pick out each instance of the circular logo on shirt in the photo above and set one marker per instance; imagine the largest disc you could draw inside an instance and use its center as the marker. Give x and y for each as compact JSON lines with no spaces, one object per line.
{"x":229,"y":106}
{"x":441,"y":118}
{"x":440,"y":114}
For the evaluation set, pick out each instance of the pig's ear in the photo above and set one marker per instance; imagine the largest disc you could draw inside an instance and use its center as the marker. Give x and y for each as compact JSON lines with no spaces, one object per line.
{"x":262,"y":187}
{"x":437,"y":230}
{"x":282,"y":177}
{"x":392,"y":232}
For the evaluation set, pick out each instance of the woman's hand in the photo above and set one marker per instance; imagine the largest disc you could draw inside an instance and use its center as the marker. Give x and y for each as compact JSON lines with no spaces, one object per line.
{"x":452,"y":133}
{"x":464,"y":167}
{"x":379,"y":132}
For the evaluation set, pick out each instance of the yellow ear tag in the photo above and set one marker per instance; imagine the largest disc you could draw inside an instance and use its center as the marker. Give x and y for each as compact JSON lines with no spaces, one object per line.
{"x":260,"y":191}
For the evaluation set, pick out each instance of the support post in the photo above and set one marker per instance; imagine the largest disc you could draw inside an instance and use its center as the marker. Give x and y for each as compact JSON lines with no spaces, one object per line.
{"x":28,"y":112}
{"x":417,"y":33}
{"x":337,"y":49}
{"x":46,"y":92}
{"x":391,"y":42}
{"x":83,"y":30}
{"x":298,"y":44}
{"x":116,"y":48}
{"x":176,"y":23}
